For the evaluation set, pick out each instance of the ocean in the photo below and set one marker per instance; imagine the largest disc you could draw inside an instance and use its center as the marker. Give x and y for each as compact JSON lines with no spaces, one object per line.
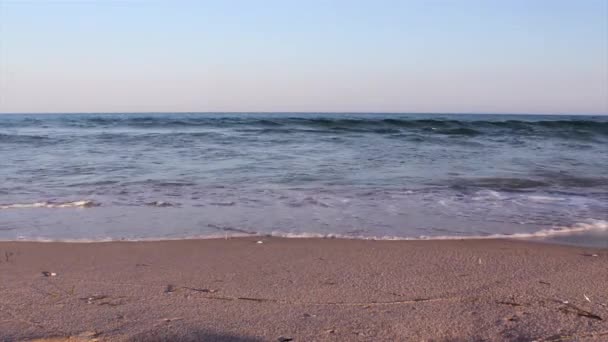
{"x":97,"y":177}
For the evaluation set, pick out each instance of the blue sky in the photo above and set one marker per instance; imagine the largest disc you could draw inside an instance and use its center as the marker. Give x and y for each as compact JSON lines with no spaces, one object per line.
{"x":516,"y":56}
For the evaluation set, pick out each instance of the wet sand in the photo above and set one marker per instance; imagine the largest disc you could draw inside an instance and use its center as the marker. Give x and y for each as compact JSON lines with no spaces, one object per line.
{"x":303,"y":289}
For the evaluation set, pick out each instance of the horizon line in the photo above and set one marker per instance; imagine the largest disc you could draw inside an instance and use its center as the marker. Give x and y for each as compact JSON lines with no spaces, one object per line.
{"x":301,"y":112}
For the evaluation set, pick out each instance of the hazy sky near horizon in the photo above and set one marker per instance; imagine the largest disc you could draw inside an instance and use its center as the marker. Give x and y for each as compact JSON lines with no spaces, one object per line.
{"x":516,"y":56}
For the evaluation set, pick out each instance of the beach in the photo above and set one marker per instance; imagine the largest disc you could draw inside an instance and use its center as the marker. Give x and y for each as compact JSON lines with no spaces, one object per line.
{"x":303,"y":171}
{"x":276,"y":289}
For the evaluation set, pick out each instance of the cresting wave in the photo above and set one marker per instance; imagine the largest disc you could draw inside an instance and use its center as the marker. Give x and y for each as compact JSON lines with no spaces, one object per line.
{"x":73,"y":204}
{"x":380,"y":124}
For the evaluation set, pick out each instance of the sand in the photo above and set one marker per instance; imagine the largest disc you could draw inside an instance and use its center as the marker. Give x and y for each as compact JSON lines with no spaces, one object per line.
{"x":303,"y":289}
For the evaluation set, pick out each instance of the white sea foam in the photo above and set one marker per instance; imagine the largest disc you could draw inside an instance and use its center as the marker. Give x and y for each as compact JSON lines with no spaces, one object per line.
{"x":537,"y":198}
{"x":589,"y":226}
{"x":161,"y":204}
{"x":110,"y":239}
{"x":73,"y":204}
{"x":484,"y":195}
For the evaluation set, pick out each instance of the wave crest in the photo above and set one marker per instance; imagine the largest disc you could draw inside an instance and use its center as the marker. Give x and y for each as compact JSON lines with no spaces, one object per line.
{"x":46,"y":204}
{"x":571,"y":128}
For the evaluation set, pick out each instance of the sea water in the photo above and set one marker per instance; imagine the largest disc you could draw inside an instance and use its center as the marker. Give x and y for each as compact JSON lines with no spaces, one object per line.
{"x":89,"y":177}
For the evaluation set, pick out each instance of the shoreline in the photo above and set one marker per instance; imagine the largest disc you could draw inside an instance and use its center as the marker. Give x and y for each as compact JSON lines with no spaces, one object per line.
{"x":306,"y":288}
{"x":566,"y":238}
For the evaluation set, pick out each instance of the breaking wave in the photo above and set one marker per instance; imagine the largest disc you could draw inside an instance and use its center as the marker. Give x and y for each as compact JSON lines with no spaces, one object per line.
{"x":73,"y":204}
{"x":572,"y":127}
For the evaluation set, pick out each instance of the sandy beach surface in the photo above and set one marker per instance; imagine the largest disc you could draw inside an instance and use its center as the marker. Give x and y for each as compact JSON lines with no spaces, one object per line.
{"x":303,"y":290}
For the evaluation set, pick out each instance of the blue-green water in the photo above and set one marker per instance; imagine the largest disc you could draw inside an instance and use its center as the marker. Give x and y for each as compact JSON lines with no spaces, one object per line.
{"x":151,"y":176}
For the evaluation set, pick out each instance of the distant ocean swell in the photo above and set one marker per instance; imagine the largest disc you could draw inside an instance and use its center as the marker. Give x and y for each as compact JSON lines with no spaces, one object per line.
{"x":319,"y":125}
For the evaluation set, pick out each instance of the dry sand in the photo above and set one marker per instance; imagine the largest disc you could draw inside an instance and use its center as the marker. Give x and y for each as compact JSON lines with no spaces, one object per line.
{"x":303,"y":289}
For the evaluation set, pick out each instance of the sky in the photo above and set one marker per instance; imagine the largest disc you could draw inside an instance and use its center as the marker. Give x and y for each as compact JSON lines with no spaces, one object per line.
{"x":450,"y":56}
